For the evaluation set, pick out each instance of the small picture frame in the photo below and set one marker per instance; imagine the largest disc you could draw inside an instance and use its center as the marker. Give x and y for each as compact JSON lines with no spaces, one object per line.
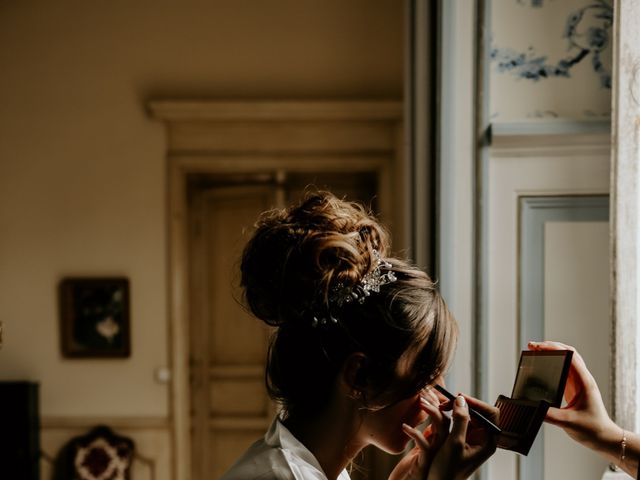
{"x":94,"y":317}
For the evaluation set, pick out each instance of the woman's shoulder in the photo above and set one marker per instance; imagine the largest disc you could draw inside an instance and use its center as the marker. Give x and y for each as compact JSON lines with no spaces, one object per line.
{"x":260,"y":462}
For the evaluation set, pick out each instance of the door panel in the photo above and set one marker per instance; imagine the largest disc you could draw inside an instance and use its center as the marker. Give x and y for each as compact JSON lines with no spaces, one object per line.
{"x":230,"y":407}
{"x":564,"y":296}
{"x":530,"y":187}
{"x":577,"y":310}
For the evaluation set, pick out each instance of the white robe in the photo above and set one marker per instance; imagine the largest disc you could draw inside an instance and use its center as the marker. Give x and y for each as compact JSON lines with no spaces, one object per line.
{"x":278,"y":456}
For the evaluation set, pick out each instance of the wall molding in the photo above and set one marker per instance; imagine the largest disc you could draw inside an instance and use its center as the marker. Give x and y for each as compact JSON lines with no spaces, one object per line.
{"x":137,"y":422}
{"x":221,"y":110}
{"x":549,"y":135}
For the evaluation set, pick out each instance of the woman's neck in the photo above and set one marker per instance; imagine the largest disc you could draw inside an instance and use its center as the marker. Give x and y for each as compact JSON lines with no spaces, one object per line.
{"x":331,"y":437}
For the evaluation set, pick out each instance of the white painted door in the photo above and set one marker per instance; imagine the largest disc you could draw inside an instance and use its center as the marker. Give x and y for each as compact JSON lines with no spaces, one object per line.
{"x":547,"y":277}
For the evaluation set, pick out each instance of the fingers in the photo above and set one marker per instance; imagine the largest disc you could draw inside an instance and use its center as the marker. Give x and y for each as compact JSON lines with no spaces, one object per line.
{"x":549,"y":345}
{"x":425,"y":440}
{"x":416,"y":435}
{"x":576,"y":361}
{"x":433,"y":411}
{"x":460,"y":419}
{"x":556,"y":416}
{"x":430,"y":403}
{"x":578,"y":364}
{"x":461,"y":455}
{"x":489,"y":411}
{"x":431,"y":395}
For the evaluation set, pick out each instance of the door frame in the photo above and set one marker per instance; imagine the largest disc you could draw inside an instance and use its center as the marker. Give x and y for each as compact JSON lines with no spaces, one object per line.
{"x":219,"y":137}
{"x":463,"y":95}
{"x":625,"y":212}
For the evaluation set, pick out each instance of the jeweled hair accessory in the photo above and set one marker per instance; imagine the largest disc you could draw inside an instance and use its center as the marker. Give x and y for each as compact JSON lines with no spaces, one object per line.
{"x":371,"y":282}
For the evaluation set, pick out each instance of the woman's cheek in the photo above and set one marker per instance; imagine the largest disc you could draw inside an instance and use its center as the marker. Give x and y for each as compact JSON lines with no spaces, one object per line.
{"x":415,"y":415}
{"x":417,"y":418}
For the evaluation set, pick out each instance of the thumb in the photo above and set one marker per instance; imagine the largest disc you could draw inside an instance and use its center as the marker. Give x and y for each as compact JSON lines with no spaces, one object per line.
{"x":556,"y":416}
{"x":460,"y":416}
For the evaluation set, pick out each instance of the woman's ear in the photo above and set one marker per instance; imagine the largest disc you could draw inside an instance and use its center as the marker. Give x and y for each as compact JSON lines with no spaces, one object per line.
{"x":354,"y":374}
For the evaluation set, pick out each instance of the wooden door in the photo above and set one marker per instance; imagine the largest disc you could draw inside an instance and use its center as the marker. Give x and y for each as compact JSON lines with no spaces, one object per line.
{"x":230,"y":408}
{"x":229,"y":404}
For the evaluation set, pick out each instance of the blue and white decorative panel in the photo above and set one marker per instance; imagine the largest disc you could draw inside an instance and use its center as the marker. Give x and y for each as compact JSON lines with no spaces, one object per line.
{"x":550,"y":59}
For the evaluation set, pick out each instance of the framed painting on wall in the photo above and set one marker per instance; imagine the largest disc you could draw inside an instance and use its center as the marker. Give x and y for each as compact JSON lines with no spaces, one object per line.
{"x":94,"y":317}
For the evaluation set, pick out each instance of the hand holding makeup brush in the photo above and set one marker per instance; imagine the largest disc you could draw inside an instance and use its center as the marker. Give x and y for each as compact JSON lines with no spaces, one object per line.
{"x":451,"y":448}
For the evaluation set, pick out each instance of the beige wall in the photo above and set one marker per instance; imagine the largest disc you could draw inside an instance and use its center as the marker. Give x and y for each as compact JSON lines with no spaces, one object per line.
{"x":82,"y":169}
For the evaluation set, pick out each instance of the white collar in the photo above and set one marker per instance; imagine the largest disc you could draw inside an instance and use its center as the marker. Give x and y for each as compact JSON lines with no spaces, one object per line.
{"x":279,"y":436}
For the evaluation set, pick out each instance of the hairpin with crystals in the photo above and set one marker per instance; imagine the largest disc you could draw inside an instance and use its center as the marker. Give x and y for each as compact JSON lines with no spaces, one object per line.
{"x":371,"y":282}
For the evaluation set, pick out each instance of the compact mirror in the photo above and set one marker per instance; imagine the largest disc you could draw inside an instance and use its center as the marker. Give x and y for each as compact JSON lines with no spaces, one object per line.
{"x":539,"y":384}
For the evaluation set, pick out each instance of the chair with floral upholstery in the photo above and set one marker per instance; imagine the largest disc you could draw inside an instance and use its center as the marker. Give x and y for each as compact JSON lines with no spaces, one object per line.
{"x":101,"y":455}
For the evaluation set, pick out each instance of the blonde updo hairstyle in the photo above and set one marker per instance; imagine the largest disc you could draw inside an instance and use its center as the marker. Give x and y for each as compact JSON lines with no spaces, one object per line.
{"x":294,"y":259}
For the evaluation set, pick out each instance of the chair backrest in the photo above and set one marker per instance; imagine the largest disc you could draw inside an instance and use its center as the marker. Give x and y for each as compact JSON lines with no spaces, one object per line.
{"x":101,"y":455}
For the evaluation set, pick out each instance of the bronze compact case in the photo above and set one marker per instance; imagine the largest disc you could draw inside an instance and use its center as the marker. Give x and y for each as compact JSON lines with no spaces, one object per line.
{"x":539,"y":384}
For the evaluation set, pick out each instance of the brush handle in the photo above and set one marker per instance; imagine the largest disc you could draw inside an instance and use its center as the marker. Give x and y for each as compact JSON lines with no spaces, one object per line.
{"x":474,"y":413}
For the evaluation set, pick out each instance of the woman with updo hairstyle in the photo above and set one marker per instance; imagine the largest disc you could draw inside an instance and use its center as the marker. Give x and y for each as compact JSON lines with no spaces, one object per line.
{"x":360,"y":337}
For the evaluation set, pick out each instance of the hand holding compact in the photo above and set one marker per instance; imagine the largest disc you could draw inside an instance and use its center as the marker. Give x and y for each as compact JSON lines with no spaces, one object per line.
{"x":584,"y":418}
